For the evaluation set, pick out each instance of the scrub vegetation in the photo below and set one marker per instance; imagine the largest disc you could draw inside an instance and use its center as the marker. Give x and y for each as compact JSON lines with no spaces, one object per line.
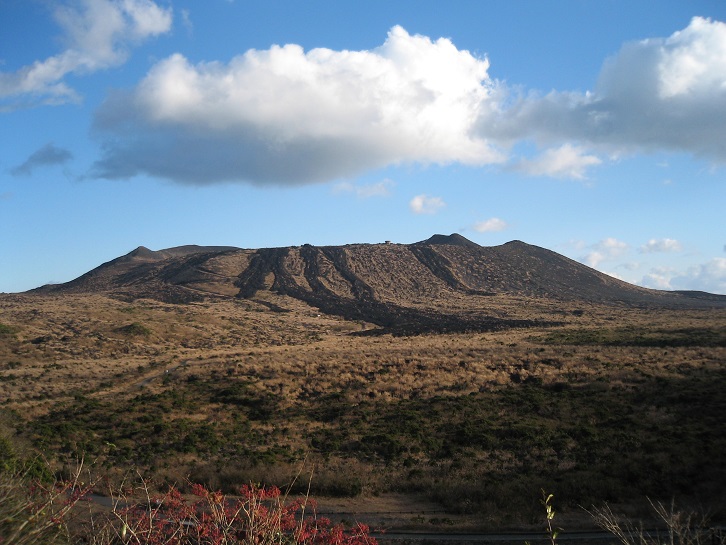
{"x":477,"y":422}
{"x":600,"y":401}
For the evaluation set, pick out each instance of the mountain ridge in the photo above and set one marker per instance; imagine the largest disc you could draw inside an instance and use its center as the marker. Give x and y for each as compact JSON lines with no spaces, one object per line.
{"x":441,"y":283}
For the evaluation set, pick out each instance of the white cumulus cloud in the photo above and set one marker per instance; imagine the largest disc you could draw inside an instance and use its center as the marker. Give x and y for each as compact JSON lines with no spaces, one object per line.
{"x":97,"y":35}
{"x":659,"y":279}
{"x":654,"y":94}
{"x":566,"y":161}
{"x":490,"y":225}
{"x":287,"y":116}
{"x":661,"y":245}
{"x":605,"y":250}
{"x":366,"y":191}
{"x":693,"y":61}
{"x":425,"y":204}
{"x":709,"y":276}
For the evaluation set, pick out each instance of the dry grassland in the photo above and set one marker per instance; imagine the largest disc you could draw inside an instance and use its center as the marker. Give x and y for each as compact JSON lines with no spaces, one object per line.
{"x":68,"y":345}
{"x":250,"y":388}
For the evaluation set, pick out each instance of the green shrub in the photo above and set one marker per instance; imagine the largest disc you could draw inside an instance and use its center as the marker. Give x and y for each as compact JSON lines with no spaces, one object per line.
{"x":8,"y":457}
{"x":135,"y":329}
{"x":6,"y":330}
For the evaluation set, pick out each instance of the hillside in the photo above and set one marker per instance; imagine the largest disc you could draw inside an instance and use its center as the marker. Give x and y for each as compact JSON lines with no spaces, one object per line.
{"x":445,"y":283}
{"x":445,"y":372}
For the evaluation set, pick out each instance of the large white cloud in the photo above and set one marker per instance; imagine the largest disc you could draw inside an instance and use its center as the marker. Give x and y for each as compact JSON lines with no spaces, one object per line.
{"x":655,"y":94}
{"x":287,"y":116}
{"x":97,"y":34}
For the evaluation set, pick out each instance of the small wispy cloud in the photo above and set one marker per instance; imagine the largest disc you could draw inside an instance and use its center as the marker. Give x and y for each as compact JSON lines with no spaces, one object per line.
{"x":48,"y":155}
{"x":98,"y":35}
{"x":709,"y":276}
{"x":567,"y":161}
{"x":491,"y":225}
{"x":425,"y":204}
{"x":660,"y":245}
{"x":366,"y":191}
{"x":605,"y":250}
{"x":187,"y":20}
{"x":658,"y":279}
{"x":630,"y":266}
{"x":613,"y":274}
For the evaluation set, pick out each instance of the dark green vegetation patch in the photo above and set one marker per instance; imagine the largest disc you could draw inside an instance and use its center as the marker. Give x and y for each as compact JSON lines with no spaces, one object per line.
{"x":633,"y":336}
{"x":6,"y":330}
{"x":591,"y":442}
{"x":135,"y":329}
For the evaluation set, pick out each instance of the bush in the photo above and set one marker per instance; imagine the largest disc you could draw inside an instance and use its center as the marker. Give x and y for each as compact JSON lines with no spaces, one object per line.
{"x":261,"y":515}
{"x":32,"y":513}
{"x":135,"y":329}
{"x":8,"y":457}
{"x":6,"y":330}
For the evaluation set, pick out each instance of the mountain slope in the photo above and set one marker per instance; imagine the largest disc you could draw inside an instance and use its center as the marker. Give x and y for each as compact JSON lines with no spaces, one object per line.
{"x":443,"y":283}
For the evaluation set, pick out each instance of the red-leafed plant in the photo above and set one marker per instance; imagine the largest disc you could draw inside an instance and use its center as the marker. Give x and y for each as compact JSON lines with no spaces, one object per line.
{"x":33,"y":512}
{"x":258,"y":516}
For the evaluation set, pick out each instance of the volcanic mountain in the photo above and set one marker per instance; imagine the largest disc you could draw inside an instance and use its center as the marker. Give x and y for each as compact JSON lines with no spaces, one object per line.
{"x":444,"y":283}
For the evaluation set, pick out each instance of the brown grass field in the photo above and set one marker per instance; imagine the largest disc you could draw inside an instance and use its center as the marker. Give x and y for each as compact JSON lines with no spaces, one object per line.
{"x":614,"y":404}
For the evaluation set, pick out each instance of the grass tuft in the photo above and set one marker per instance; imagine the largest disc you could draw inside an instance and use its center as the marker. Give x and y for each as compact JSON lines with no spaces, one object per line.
{"x":135,"y":329}
{"x":6,"y":330}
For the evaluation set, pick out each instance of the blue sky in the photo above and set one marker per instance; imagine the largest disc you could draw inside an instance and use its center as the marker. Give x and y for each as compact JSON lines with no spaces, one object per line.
{"x":596,"y":129}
